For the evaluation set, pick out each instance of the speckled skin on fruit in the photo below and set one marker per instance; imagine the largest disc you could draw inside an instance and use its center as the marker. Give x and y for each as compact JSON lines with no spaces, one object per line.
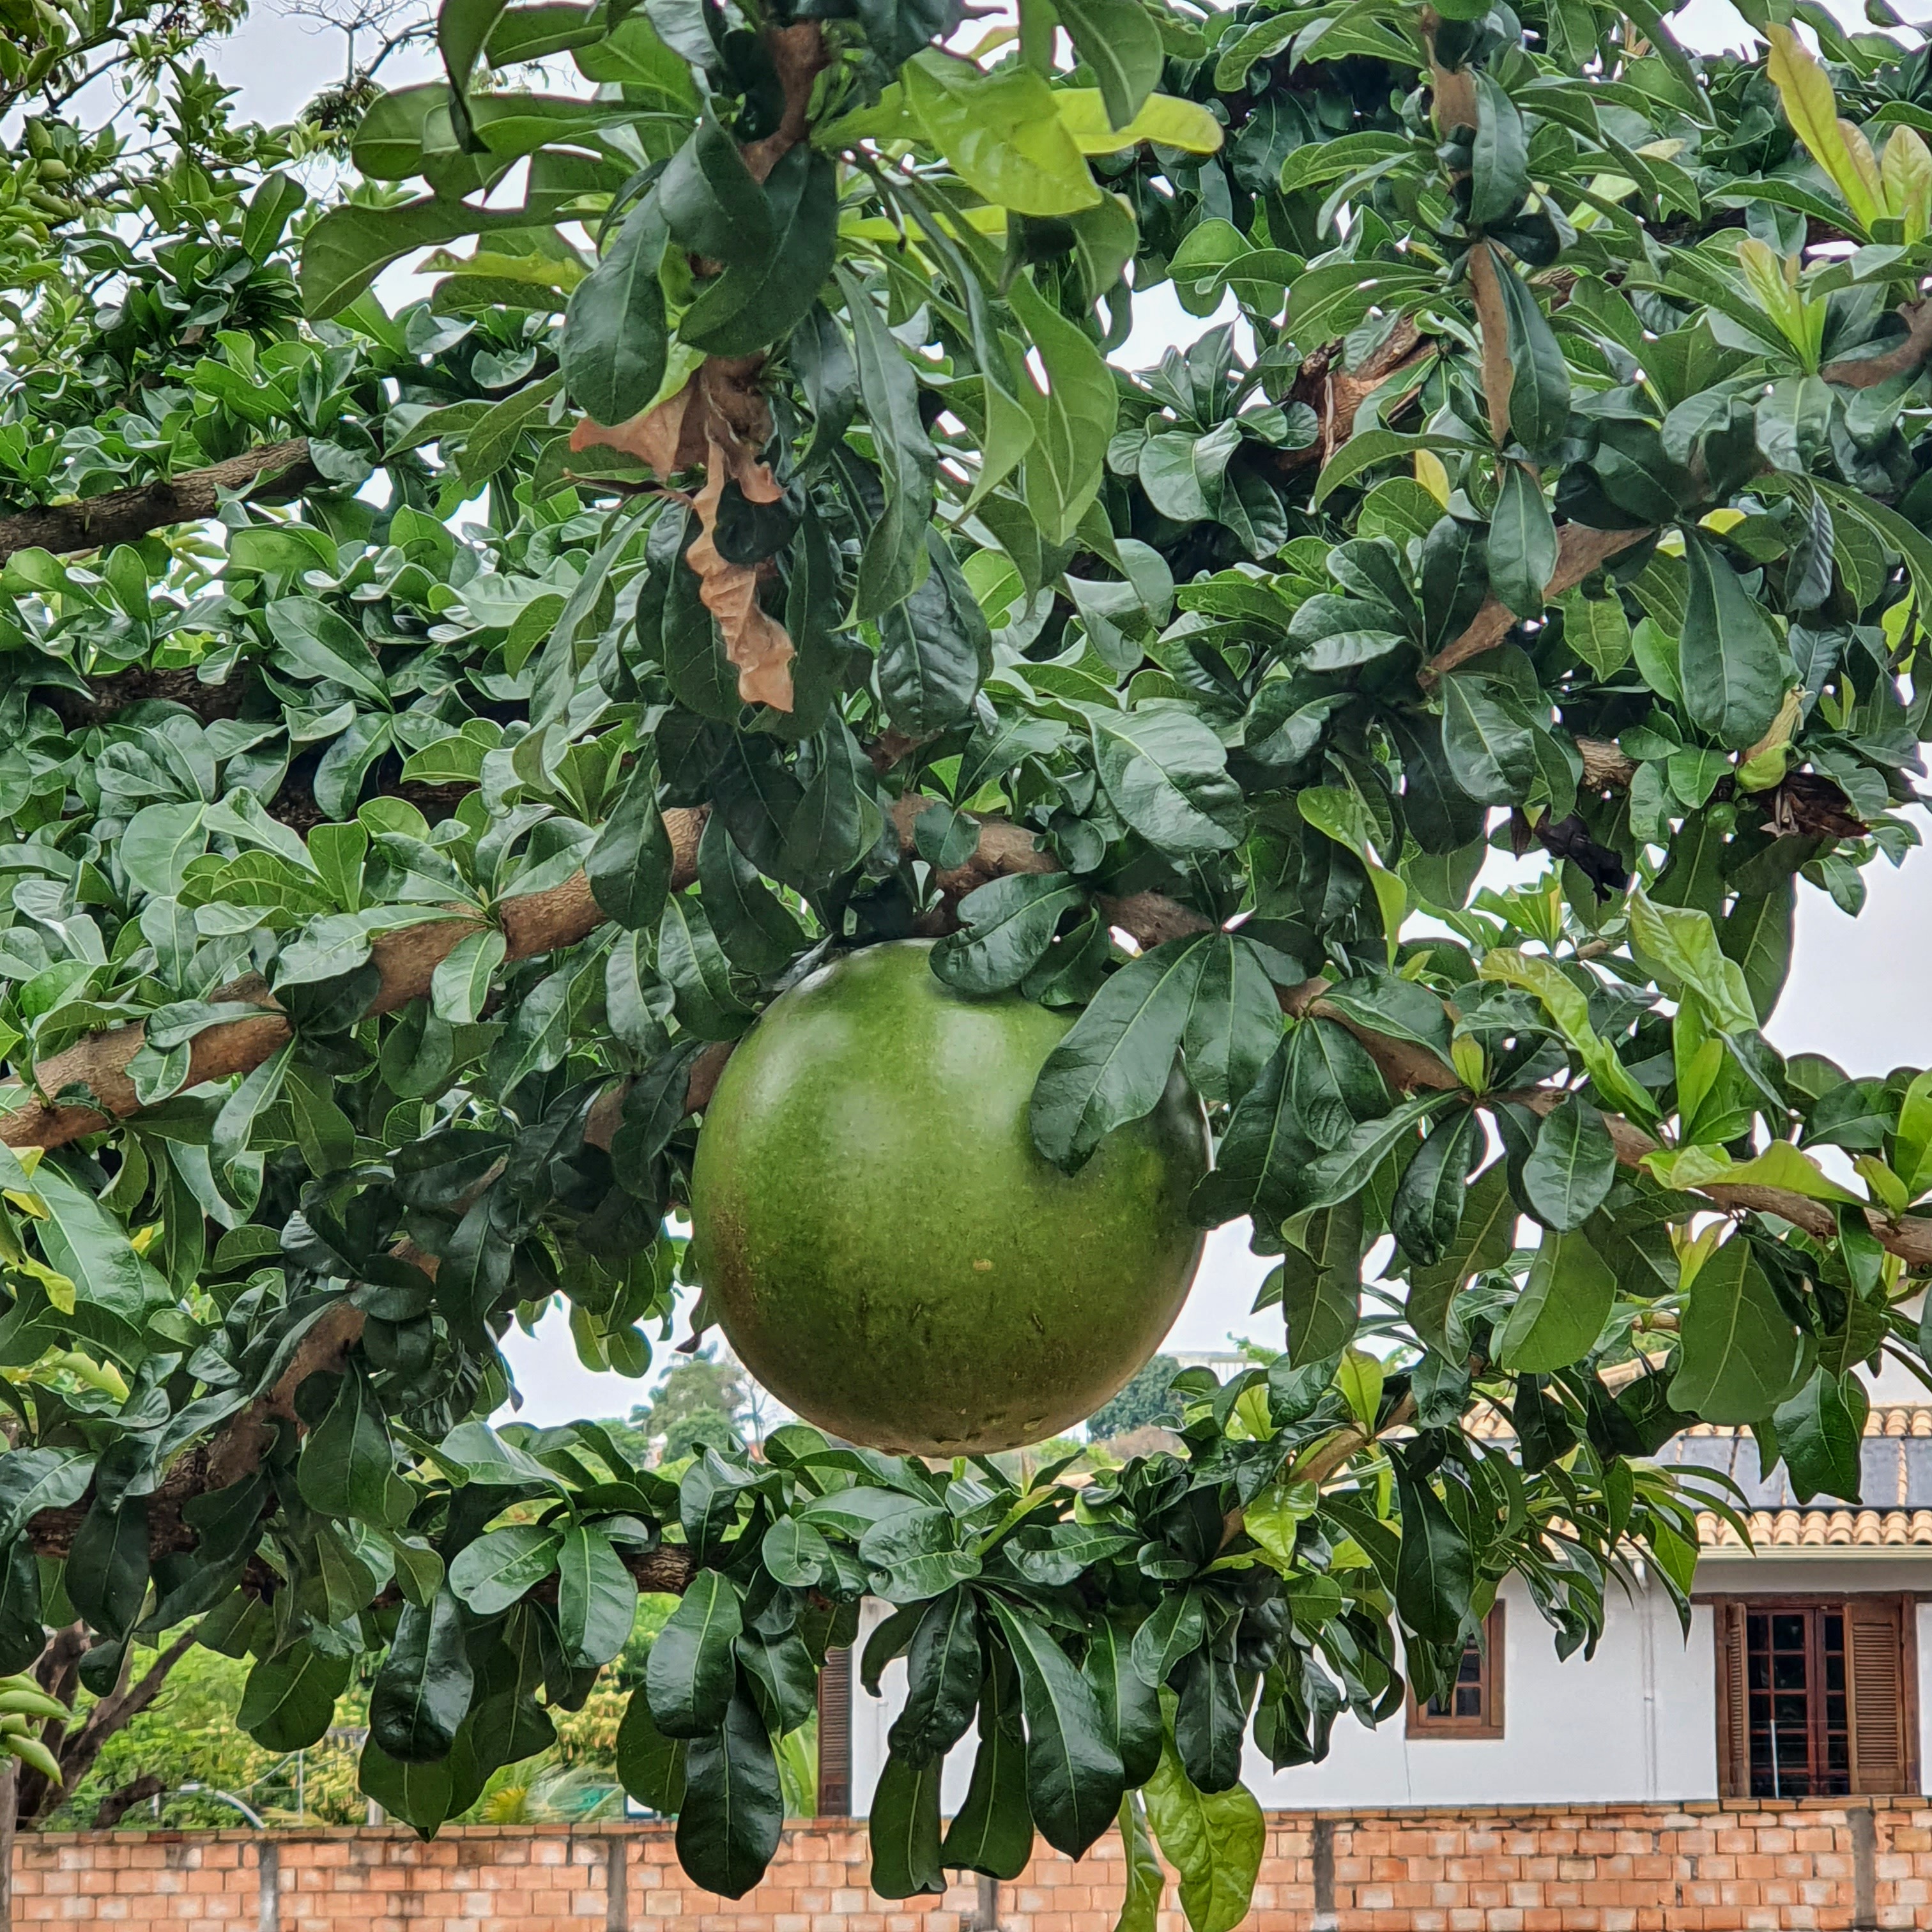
{"x":882,"y":1245}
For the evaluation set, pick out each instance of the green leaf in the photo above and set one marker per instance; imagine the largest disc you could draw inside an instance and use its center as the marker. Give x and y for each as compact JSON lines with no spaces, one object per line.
{"x":1215,"y":1842}
{"x":1434,"y":1571}
{"x":753,"y":924}
{"x":715,"y":206}
{"x":1140,"y":1901}
{"x":1129,"y":1709}
{"x":992,"y":1832}
{"x":750,"y":307}
{"x":902,"y":1829}
{"x":1234,"y":1024}
{"x":1186,"y":125}
{"x":1074,"y":1779}
{"x":1820,"y":1432}
{"x":1491,"y":748}
{"x":422,"y":1693}
{"x":1116,"y":1060}
{"x":629,"y":868}
{"x":1540,"y":378}
{"x":1006,"y":927}
{"x":1522,"y":542}
{"x":1320,"y":1273}
{"x":1119,"y":41}
{"x":596,"y":1597}
{"x":1073,"y":420}
{"x":1499,"y":162}
{"x":1598,"y":631}
{"x":895,"y":558}
{"x":1002,"y":132}
{"x":499,"y":1568}
{"x":1739,"y":1353}
{"x":1427,"y":1208}
{"x":942,"y":1680}
{"x":934,"y":649}
{"x":288,"y":1701}
{"x":348,"y":1464}
{"x":1562,"y":1308}
{"x":1350,"y":1167}
{"x":615,"y":338}
{"x":1166,"y":774}
{"x":158,"y":844}
{"x":460,"y":984}
{"x":691,"y":1669}
{"x":309,"y":639}
{"x":650,"y":1765}
{"x":1569,"y":1170}
{"x":1733,"y":668}
{"x":733,"y":1810}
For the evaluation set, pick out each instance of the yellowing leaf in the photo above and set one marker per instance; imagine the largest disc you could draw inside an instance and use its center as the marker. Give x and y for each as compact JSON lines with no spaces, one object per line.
{"x":1907,"y":174}
{"x":1781,"y":1164}
{"x":1000,"y":133}
{"x":1431,"y":474}
{"x":1185,"y":125}
{"x":1813,"y":112}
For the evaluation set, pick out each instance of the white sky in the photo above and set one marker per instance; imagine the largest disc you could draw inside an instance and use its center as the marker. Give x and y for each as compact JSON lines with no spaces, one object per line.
{"x":1860,"y":991}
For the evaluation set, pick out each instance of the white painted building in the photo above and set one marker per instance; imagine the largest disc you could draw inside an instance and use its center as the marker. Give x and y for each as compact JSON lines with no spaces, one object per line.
{"x":1807,"y":1671}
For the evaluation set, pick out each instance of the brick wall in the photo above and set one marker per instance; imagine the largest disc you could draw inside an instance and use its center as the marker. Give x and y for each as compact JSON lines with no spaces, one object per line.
{"x":1824,"y":1866}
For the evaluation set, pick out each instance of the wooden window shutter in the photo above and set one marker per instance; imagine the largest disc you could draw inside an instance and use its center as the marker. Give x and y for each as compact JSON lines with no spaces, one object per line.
{"x":1875,"y":1676}
{"x":835,"y":1734}
{"x":1733,"y":1702}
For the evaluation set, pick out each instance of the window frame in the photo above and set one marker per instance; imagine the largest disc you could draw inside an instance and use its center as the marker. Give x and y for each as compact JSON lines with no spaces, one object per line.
{"x":1488,"y":1727}
{"x":1729,"y":1614}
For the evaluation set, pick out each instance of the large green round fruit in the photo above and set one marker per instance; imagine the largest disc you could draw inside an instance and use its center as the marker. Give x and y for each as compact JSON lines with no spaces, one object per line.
{"x":885,"y":1249}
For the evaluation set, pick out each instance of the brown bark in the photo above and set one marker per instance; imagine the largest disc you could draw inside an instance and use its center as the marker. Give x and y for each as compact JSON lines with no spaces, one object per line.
{"x":123,"y":516}
{"x":115,"y":1806}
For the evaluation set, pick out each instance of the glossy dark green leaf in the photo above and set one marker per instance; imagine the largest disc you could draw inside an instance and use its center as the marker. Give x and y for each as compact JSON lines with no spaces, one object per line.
{"x":943,"y":1673}
{"x":733,"y":1810}
{"x":713,"y":205}
{"x":348,"y":1463}
{"x":1130,"y":1707}
{"x":934,"y":650}
{"x":1115,"y":1062}
{"x":1733,"y":672}
{"x":1166,"y":774}
{"x":692,"y":1671}
{"x":1320,"y":1273}
{"x":1523,"y":542}
{"x":1499,"y":163}
{"x":106,"y":1572}
{"x":1006,"y":926}
{"x":1434,"y":1571}
{"x":629,"y":868}
{"x":1263,"y":1151}
{"x":756,"y":929}
{"x":1427,"y":1208}
{"x":422,"y":1693}
{"x":650,"y":1764}
{"x":1074,"y":1779}
{"x":992,"y":1832}
{"x":895,"y":557}
{"x":288,"y":1701}
{"x":1234,"y":1024}
{"x":1211,"y":1716}
{"x":596,"y":1597}
{"x":761,"y":301}
{"x":1820,"y":1432}
{"x":1569,"y":1170}
{"x":1490,"y":745}
{"x":616,"y":336}
{"x":1539,"y":376}
{"x":1176,"y":1626}
{"x":902,"y":1828}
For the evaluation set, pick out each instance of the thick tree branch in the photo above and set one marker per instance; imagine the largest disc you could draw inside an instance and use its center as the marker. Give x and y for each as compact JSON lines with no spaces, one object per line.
{"x":124,"y":516}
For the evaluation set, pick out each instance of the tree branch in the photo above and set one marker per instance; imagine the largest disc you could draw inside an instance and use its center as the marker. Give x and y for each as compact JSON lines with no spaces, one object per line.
{"x":121,"y":516}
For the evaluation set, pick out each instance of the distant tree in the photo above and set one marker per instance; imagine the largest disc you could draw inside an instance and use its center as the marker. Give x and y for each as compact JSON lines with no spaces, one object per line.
{"x":1142,"y":1401}
{"x":701,"y":1403}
